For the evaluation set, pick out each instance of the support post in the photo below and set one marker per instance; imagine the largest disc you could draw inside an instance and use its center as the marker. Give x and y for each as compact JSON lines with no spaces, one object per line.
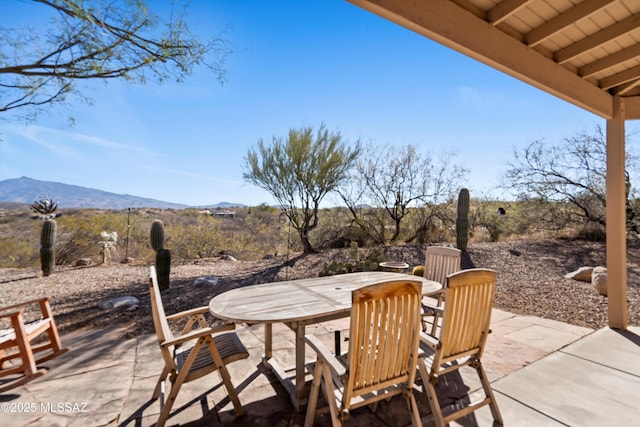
{"x":616,"y":219}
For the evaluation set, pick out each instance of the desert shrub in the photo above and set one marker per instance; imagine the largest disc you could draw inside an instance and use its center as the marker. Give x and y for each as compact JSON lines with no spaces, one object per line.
{"x":335,"y":230}
{"x":432,"y":223}
{"x":194,"y":237}
{"x":270,"y":231}
{"x":18,"y":253}
{"x":79,"y":234}
{"x":359,"y":260}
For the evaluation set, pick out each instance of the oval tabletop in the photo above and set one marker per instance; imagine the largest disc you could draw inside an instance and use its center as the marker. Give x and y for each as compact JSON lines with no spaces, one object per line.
{"x":301,"y":299}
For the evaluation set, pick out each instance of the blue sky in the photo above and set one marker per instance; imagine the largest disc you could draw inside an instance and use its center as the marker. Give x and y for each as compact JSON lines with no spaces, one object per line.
{"x":295,"y":64}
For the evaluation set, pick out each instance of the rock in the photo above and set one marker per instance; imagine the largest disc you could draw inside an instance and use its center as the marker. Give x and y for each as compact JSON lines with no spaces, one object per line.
{"x":599,"y":280}
{"x":582,"y":274}
{"x":83,"y":261}
{"x":128,"y":260}
{"x":125,"y":302}
{"x":206,"y":280}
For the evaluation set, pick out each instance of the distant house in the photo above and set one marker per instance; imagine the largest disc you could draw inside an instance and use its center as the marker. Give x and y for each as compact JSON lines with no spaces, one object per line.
{"x":224,"y":213}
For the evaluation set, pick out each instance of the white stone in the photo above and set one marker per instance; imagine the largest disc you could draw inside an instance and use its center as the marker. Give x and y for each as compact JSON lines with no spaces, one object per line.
{"x":206,"y":280}
{"x":599,"y":280}
{"x":126,"y":302}
{"x":582,"y":274}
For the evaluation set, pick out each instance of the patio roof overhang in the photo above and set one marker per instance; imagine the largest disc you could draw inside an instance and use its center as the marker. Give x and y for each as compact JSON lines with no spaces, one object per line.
{"x":586,"y":52}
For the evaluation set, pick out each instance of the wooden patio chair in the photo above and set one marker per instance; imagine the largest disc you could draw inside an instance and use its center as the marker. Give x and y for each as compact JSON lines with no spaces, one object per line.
{"x":462,"y":338}
{"x":194,"y":353}
{"x":440,"y":262}
{"x":22,"y":345}
{"x":382,"y":356}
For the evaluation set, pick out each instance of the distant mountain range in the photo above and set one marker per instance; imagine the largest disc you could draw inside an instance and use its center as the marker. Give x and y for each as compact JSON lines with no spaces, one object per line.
{"x":27,"y":190}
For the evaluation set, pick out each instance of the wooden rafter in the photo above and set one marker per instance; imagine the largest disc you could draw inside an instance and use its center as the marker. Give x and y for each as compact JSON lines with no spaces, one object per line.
{"x":565,"y":19}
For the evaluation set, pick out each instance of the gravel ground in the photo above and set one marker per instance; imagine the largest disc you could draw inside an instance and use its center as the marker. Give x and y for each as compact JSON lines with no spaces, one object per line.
{"x":530,"y":281}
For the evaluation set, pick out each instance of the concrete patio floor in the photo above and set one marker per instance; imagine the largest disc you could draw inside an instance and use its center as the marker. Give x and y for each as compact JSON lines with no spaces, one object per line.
{"x":543,"y":373}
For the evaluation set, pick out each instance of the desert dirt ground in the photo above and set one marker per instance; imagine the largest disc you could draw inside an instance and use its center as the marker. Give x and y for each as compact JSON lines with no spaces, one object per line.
{"x":530,"y":281}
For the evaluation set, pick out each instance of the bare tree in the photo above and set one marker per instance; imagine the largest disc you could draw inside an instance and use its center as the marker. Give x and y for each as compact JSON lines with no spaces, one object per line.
{"x":396,"y":181}
{"x":97,"y":40}
{"x":572,"y":174}
{"x":300,"y":172}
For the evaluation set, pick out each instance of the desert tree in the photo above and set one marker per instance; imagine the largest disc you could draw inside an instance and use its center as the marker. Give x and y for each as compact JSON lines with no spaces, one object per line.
{"x":97,"y":40}
{"x":299,"y":172}
{"x":389,"y":183}
{"x":570,"y":177}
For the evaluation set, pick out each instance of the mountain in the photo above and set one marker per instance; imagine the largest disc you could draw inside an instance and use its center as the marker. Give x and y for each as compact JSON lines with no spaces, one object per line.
{"x":27,"y":190}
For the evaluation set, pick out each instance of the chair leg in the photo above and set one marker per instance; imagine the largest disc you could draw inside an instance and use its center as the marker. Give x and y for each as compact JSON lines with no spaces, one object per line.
{"x":24,"y":347}
{"x":493,"y":404}
{"x":161,"y":380}
{"x":175,"y":387}
{"x":226,"y":378}
{"x":432,"y":397}
{"x":313,"y":395}
{"x":434,"y":404}
{"x":415,"y":413}
{"x":330,"y":395}
{"x":52,"y":331}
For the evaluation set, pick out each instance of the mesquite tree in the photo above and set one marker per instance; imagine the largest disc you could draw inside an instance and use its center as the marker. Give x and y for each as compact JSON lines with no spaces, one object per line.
{"x":299,"y":172}
{"x":104,"y":40}
{"x":572,"y":174}
{"x":393,"y":181}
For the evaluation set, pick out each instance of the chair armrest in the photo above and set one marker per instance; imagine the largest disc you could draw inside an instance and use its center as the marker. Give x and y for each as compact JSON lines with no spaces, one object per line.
{"x":197,"y":333}
{"x":187,"y":313}
{"x":429,"y":341}
{"x":222,"y":328}
{"x":325,"y":355}
{"x":430,"y":310}
{"x":190,"y":336}
{"x":33,"y":301}
{"x":15,"y":313}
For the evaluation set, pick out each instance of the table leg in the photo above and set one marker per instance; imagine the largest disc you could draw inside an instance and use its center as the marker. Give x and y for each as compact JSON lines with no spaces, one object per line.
{"x":268,"y":342}
{"x":300,"y":360}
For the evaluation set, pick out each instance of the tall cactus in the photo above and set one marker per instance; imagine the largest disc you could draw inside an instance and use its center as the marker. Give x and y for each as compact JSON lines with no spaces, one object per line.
{"x":47,"y":247}
{"x":163,"y":255}
{"x":45,"y":209}
{"x":462,"y":221}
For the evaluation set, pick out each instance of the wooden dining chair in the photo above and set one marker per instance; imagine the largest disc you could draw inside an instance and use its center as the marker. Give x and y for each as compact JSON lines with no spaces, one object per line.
{"x":440,"y":262}
{"x":461,"y":341}
{"x":382,"y":356}
{"x":20,"y":359}
{"x":197,"y":351}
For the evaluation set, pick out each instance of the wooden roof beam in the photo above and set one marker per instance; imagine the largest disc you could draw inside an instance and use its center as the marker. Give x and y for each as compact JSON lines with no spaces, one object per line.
{"x":565,"y":19}
{"x":504,"y":9}
{"x":620,"y":78}
{"x":592,"y":42}
{"x":627,"y":88}
{"x":610,"y":61}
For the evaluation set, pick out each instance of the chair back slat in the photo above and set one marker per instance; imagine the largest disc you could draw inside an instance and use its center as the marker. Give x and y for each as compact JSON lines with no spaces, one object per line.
{"x":160,"y":322}
{"x":440,"y":262}
{"x":384,"y":336}
{"x":466,"y":320}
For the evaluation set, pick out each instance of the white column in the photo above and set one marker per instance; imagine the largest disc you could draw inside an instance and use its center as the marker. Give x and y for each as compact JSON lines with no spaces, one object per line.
{"x":616,"y":218}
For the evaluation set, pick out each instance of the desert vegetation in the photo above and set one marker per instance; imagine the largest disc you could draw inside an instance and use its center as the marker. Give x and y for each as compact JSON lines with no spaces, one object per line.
{"x":253,"y":233}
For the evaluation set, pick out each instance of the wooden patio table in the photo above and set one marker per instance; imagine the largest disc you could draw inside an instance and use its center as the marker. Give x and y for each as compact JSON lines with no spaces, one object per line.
{"x":298,"y":303}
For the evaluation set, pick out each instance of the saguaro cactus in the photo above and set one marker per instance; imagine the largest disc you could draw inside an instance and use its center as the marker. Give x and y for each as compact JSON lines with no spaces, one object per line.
{"x":163,"y":255}
{"x":46,"y":208}
{"x":47,"y":247}
{"x":462,"y":221}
